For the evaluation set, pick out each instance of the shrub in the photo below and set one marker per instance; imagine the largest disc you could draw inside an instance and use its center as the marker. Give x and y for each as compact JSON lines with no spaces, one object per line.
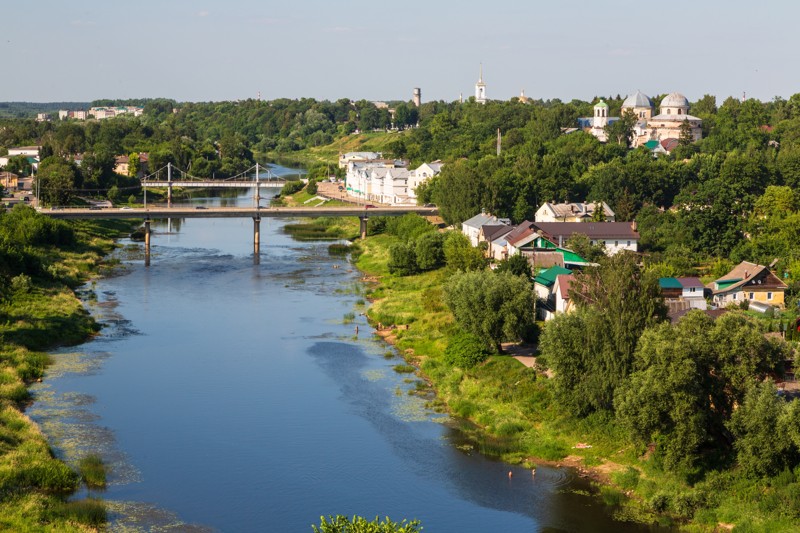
{"x":292,"y":187}
{"x":465,"y":350}
{"x":21,"y":284}
{"x":402,"y":259}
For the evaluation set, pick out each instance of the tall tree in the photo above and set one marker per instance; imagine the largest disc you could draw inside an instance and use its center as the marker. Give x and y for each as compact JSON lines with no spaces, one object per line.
{"x":495,"y":307}
{"x":592,"y":351}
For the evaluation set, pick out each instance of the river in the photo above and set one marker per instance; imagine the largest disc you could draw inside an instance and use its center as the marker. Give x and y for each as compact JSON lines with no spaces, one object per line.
{"x":232,"y":396}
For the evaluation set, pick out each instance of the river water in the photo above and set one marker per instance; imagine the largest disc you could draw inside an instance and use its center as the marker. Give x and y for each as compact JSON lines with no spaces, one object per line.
{"x":232,"y":396}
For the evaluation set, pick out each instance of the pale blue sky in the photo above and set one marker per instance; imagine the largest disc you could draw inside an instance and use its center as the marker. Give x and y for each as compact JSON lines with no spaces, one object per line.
{"x":195,"y":50}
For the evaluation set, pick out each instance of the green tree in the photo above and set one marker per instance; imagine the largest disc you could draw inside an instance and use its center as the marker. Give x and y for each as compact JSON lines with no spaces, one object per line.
{"x":582,"y":245}
{"x":403,"y":259}
{"x":495,"y":307}
{"x":621,"y":131}
{"x":687,"y":380}
{"x":465,"y":350}
{"x":56,"y":181}
{"x":517,"y":265}
{"x":429,"y":250}
{"x":460,"y":255}
{"x":592,"y":352}
{"x":685,"y":137}
{"x":763,"y":445}
{"x":134,"y":165}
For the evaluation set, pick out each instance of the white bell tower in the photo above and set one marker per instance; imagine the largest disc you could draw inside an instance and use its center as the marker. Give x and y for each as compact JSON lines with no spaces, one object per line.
{"x":480,"y":88}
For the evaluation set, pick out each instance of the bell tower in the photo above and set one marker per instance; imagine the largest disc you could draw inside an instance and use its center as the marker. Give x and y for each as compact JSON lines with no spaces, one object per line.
{"x":480,"y":88}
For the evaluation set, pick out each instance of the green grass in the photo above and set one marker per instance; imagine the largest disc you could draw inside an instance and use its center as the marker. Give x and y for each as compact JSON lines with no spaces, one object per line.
{"x":363,"y":142}
{"x":93,"y":471}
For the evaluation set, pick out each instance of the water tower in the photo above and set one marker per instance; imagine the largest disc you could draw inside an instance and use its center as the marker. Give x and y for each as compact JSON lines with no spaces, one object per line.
{"x":417,"y":96}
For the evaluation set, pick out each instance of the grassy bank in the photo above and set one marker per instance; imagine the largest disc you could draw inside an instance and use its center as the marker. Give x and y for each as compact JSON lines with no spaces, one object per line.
{"x":509,"y":411}
{"x":40,"y":311}
{"x":329,"y":153}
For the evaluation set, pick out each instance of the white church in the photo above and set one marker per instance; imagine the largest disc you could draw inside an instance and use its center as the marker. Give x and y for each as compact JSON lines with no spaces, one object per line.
{"x":649,"y":128}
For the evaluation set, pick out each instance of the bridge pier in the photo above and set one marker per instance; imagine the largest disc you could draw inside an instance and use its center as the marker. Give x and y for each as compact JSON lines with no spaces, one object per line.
{"x":256,"y":239}
{"x":363,"y":226}
{"x":147,"y":242}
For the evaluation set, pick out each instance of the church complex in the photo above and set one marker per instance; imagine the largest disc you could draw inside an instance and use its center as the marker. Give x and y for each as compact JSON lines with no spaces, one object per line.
{"x":651,"y":130}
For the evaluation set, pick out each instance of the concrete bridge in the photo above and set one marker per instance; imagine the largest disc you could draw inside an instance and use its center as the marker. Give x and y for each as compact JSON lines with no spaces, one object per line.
{"x":255,"y":212}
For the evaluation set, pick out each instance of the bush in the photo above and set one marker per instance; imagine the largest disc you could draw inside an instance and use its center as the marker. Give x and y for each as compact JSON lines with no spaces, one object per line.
{"x":402,"y":259}
{"x":292,"y":187}
{"x":408,"y":227}
{"x":21,"y":284}
{"x":465,"y":350}
{"x":430,"y":254}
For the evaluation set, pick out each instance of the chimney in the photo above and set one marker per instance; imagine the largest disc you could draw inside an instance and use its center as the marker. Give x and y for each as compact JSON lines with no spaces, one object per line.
{"x":746,"y":274}
{"x":633,"y":225}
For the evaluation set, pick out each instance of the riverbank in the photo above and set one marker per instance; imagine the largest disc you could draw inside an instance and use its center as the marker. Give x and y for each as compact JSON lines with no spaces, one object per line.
{"x":511,"y":414}
{"x":40,"y":311}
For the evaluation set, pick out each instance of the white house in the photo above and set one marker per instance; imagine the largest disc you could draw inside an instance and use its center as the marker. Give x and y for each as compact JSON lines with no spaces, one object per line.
{"x":419,"y":176}
{"x":31,"y":151}
{"x":613,"y":236}
{"x":495,"y":235}
{"x":472,"y":227}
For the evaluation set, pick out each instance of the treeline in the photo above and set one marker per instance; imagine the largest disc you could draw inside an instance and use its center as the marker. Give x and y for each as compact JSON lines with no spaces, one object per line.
{"x":217,"y":139}
{"x":31,"y":109}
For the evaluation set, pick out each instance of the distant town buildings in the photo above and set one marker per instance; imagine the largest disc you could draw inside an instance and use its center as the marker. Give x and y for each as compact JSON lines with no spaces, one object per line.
{"x":100,"y":113}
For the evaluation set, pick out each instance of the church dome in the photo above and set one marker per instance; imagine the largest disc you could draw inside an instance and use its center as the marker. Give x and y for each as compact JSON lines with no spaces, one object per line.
{"x":637,"y":99}
{"x":601,"y":103}
{"x":676,"y":100}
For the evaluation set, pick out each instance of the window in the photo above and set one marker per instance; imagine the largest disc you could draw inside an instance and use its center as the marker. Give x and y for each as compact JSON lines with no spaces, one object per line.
{"x":769,"y":296}
{"x":692,"y":289}
{"x":751,"y":295}
{"x":629,"y":243}
{"x":733,"y":296}
{"x":616,"y":243}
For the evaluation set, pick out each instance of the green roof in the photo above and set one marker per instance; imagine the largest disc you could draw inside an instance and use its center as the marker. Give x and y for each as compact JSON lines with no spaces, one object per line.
{"x":669,"y":283}
{"x":725,"y":283}
{"x":548,"y":277}
{"x":572,"y":257}
{"x":601,"y":104}
{"x":651,"y":145}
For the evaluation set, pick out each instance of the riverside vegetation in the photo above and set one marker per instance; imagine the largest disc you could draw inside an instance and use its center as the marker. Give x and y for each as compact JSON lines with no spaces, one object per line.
{"x":654,"y":401}
{"x":42,"y":261}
